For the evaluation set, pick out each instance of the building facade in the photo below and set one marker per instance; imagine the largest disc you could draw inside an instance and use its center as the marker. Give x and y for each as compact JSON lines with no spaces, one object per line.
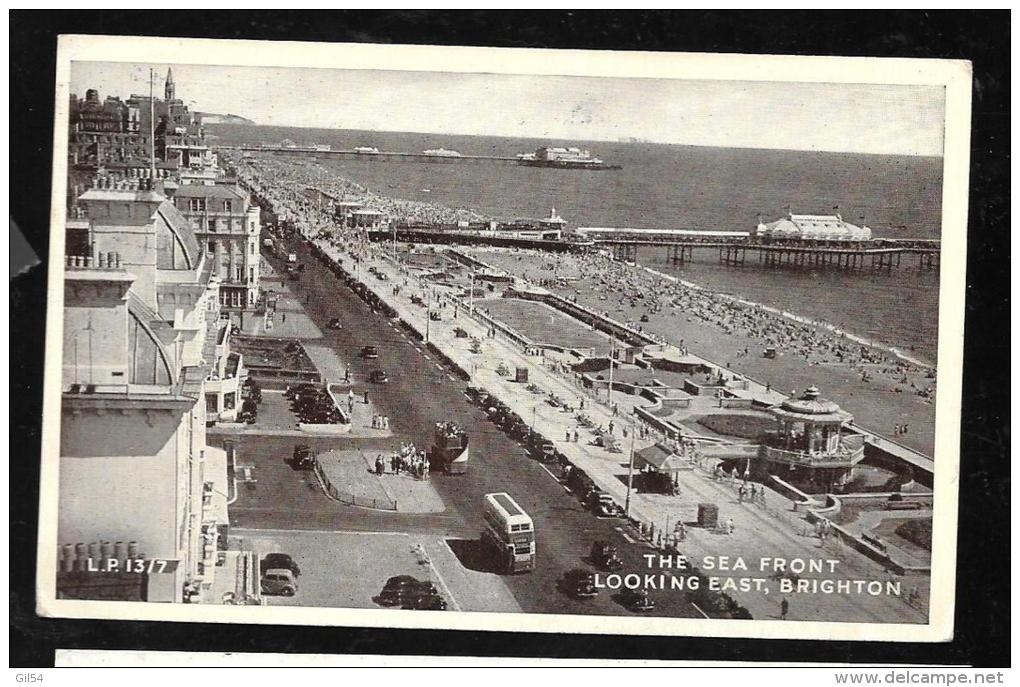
{"x":227,"y":225}
{"x":138,"y":480}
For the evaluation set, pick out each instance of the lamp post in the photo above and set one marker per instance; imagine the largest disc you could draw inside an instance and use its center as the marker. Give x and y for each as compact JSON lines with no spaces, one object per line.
{"x":428,"y":317}
{"x":471,"y":293}
{"x":612,"y":358}
{"x":630,"y":477}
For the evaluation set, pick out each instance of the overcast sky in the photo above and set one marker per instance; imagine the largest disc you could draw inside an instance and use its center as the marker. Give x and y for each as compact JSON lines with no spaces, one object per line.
{"x":904,"y":120}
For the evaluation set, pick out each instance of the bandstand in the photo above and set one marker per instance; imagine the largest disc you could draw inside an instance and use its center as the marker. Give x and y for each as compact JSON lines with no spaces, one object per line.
{"x":810,"y":448}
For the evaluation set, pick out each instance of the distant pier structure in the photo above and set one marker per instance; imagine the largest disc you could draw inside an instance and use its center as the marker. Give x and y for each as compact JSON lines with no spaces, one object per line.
{"x":793,"y":241}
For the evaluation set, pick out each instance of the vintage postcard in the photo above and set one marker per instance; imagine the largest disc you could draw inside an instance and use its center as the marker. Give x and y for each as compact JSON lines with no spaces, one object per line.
{"x":504,"y":339}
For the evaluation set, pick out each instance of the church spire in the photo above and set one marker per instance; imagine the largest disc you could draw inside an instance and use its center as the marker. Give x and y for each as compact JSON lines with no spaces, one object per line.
{"x":169,"y":88}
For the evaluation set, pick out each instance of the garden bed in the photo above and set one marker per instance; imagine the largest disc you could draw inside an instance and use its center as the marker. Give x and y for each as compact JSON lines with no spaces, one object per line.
{"x":742,"y":426}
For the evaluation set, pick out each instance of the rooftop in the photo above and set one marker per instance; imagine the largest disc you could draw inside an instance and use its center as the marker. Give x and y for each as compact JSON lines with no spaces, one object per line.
{"x":225,"y":191}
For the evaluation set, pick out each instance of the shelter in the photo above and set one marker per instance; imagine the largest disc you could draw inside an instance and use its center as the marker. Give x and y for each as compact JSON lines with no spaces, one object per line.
{"x":659,"y":458}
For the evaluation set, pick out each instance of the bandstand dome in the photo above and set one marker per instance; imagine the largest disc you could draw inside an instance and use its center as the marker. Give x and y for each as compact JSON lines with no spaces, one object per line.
{"x":810,"y":408}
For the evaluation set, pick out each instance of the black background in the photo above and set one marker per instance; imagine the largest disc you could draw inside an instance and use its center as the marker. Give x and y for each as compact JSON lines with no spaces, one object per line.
{"x":982,"y":603}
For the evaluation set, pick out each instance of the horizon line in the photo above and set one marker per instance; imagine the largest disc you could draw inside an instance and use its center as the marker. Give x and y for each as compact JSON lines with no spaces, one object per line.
{"x":593,"y":140}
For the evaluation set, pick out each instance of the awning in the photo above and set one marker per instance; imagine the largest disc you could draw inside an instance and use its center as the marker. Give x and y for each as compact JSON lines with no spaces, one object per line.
{"x":659,"y":458}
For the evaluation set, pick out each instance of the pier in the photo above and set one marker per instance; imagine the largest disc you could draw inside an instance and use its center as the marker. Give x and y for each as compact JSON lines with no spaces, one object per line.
{"x":387,"y":156}
{"x":855,"y":256}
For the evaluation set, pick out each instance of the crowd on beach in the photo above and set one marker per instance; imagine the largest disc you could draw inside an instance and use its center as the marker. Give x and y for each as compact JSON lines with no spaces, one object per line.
{"x":294,"y":185}
{"x":641,"y":295}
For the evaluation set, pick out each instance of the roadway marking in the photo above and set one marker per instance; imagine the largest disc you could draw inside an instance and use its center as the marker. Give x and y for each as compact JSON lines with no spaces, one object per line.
{"x":625,"y":535}
{"x":700,"y":611}
{"x":438,"y":366}
{"x":257,"y":531}
{"x":553,"y":476}
{"x":439,"y":578}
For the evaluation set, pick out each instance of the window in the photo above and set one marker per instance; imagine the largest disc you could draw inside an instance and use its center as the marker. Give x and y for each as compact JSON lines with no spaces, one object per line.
{"x":228,"y":401}
{"x":212,"y":247}
{"x":226,"y":206}
{"x":196,"y":204}
{"x":239,"y":271}
{"x":211,"y":404}
{"x":251,"y":274}
{"x":251,"y":248}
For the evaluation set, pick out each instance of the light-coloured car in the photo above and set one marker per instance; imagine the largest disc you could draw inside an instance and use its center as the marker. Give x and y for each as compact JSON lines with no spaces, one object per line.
{"x":279,"y":581}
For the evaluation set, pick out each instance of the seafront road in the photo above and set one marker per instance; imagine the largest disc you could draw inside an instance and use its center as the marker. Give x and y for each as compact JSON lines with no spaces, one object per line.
{"x":758,"y":535}
{"x":421,"y":392}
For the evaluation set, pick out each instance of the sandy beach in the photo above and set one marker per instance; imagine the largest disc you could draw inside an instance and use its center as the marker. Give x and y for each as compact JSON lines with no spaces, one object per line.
{"x":876,"y":404}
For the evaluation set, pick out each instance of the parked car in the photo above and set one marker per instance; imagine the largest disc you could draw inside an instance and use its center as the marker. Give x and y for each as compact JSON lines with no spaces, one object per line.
{"x":435,"y":316}
{"x":335,"y":323}
{"x":369,"y":352}
{"x":302,"y":458}
{"x":378,"y":377}
{"x":404,"y":589}
{"x":580,"y":584}
{"x":274,"y":561}
{"x":604,"y":506}
{"x":604,"y":555}
{"x":248,"y":412}
{"x":425,"y":602}
{"x":636,"y":600}
{"x":278,"y":581}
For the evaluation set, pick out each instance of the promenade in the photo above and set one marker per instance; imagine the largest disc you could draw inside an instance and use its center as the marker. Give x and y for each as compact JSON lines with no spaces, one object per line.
{"x":768,"y":532}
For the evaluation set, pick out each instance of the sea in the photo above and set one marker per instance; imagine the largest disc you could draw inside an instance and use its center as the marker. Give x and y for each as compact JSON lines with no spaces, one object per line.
{"x":686,"y":187}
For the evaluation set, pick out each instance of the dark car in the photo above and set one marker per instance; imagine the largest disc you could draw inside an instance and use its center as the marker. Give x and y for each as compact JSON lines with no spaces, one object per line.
{"x":335,"y":323}
{"x":580,"y":584}
{"x":604,"y":555}
{"x":636,"y":600}
{"x":378,"y":377}
{"x":280,"y":561}
{"x":369,"y":352}
{"x":302,"y":459}
{"x":425,"y":602}
{"x":404,"y":589}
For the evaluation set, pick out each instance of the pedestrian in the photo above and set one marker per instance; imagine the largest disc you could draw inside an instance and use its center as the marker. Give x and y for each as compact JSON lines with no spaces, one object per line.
{"x":577,"y":436}
{"x":610,"y":426}
{"x":283,"y":318}
{"x":366,"y":396}
{"x":379,"y":467}
{"x":568,"y":435}
{"x":740,"y":494}
{"x":386,"y":422}
{"x":730,"y":526}
{"x":784,"y":609}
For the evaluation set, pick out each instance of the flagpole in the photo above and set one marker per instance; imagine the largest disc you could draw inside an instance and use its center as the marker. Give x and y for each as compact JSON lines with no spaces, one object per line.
{"x":152,"y":129}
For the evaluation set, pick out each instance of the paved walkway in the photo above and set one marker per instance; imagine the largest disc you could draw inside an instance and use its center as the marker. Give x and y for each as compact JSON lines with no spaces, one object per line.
{"x":759,"y":534}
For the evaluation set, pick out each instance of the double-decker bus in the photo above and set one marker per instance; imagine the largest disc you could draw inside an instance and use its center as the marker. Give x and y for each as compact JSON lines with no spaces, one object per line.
{"x":510,"y":533}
